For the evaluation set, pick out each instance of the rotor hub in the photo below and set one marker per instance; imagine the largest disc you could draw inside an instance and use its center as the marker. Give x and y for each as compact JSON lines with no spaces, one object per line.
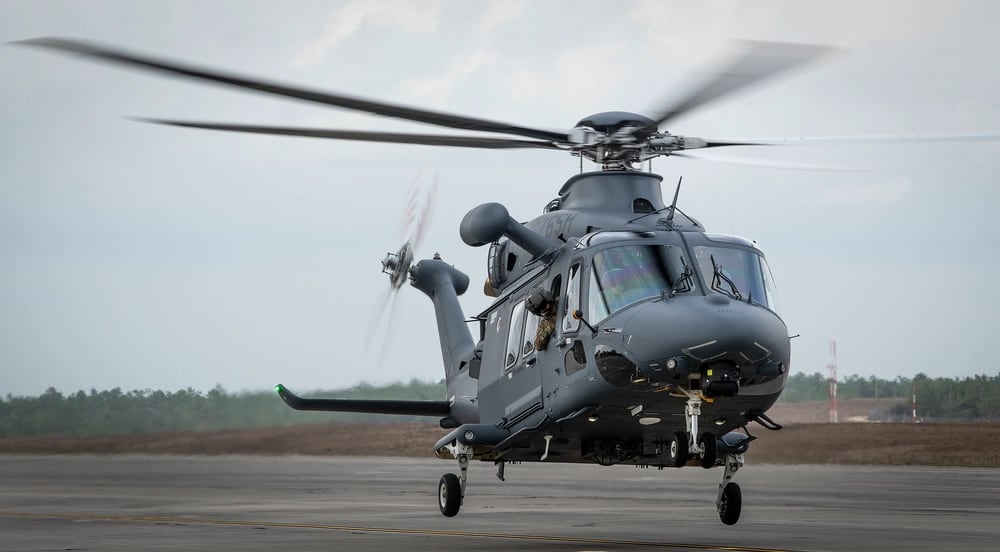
{"x":397,"y":265}
{"x":612,"y":122}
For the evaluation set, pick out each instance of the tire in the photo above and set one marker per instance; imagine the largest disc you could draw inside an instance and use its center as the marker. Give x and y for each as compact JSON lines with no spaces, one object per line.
{"x":678,"y":453}
{"x":449,"y":494}
{"x":709,"y":450}
{"x":731,"y":504}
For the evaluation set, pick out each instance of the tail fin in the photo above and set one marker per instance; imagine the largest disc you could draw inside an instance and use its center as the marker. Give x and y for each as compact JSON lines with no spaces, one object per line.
{"x":443,"y":283}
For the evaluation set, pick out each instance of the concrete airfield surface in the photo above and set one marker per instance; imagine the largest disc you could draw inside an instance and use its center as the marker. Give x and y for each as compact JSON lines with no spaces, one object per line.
{"x":156,"y":502}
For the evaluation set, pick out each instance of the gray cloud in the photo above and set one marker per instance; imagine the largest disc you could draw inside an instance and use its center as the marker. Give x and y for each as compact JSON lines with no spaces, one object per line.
{"x":142,"y":256}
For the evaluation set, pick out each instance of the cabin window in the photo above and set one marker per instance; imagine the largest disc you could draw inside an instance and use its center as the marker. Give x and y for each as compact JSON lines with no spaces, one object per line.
{"x":576,"y":358}
{"x":569,"y":323}
{"x":530,"y":330}
{"x":514,"y":335}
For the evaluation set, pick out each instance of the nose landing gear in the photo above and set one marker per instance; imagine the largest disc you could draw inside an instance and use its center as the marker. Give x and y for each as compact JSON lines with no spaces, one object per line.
{"x":729,"y":502}
{"x":705,"y":447}
{"x":451,"y":487}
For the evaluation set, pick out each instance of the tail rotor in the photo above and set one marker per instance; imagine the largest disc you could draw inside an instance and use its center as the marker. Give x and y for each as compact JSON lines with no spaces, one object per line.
{"x":414,"y":222}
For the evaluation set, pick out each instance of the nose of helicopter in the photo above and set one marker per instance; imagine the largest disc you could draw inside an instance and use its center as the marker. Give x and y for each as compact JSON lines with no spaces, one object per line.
{"x":723,"y":339}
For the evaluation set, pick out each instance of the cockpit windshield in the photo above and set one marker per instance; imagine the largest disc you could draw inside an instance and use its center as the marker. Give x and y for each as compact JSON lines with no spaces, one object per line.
{"x":741,"y":274}
{"x":627,"y":274}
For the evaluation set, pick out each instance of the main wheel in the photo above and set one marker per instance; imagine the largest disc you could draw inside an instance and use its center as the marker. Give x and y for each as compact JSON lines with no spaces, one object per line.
{"x":449,"y":494}
{"x":709,"y":450}
{"x":731,"y":504}
{"x":679,"y":449}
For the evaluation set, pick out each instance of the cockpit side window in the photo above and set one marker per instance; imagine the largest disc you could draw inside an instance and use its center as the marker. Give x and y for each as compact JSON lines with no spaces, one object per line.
{"x":572,"y":300}
{"x":769,"y":287}
{"x":597,"y":308}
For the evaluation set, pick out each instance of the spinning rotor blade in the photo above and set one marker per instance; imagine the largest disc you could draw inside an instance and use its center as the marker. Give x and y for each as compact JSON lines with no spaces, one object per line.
{"x":847,"y":140}
{"x":158,"y":65}
{"x":417,"y":211}
{"x":769,"y":164}
{"x":414,"y":221}
{"x":364,"y":136}
{"x":757,"y":62}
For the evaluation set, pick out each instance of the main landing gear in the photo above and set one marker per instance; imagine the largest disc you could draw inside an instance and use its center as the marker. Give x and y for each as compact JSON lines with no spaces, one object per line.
{"x":451,"y":487}
{"x":685,"y":445}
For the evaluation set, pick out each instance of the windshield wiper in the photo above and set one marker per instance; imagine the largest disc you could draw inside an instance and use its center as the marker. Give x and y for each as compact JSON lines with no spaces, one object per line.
{"x":718,"y":277}
{"x":684,"y":280}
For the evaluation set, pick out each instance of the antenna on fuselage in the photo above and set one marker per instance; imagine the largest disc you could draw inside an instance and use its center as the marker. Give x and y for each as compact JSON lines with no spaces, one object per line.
{"x":673,"y":206}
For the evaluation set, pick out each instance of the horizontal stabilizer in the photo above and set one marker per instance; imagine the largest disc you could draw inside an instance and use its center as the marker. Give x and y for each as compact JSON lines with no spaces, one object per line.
{"x":370,"y":406}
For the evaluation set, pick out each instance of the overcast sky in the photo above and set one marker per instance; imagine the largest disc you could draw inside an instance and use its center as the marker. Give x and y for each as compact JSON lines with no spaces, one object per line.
{"x":141,"y":257}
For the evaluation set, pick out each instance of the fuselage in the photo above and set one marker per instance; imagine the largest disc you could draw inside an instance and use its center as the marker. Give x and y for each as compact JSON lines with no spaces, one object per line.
{"x":649,"y":312}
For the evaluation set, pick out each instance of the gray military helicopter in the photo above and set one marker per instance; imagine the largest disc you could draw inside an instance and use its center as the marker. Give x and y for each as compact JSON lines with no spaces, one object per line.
{"x":622,"y":332}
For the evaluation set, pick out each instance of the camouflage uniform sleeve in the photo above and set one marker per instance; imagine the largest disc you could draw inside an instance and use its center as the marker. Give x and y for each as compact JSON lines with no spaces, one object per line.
{"x":545,"y":330}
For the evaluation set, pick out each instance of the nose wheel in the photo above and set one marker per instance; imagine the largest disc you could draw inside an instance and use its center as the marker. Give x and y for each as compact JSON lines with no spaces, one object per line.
{"x":705,"y":447}
{"x":451,"y":487}
{"x":729,"y":502}
{"x":449,"y":494}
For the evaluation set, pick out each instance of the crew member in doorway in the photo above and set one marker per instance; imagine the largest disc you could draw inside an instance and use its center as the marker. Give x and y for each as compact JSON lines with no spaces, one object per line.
{"x":541,"y":303}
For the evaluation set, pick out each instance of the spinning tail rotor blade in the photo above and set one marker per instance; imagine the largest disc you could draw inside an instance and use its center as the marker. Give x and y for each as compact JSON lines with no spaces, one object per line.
{"x":383,"y":325}
{"x":757,"y":61}
{"x":355,"y":103}
{"x":424,"y":221}
{"x":414,"y":221}
{"x":417,"y":210}
{"x":376,"y":315}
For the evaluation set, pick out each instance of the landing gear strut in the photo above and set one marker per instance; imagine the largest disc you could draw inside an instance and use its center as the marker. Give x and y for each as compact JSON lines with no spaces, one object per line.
{"x":704,"y":446}
{"x":451,"y":487}
{"x":691,"y":443}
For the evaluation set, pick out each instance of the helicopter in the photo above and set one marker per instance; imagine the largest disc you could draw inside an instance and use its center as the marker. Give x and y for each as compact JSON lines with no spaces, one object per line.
{"x":621,"y":331}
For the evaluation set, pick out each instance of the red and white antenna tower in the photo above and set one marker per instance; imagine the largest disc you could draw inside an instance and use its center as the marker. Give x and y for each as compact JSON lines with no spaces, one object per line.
{"x":834,"y":416}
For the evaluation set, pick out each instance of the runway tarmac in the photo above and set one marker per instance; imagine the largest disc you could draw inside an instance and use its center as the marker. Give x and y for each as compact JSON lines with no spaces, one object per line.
{"x":246,"y":503}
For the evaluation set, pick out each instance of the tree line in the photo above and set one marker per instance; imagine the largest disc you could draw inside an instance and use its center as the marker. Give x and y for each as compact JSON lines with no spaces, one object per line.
{"x":973,"y":397}
{"x":147,"y":411}
{"x":116,"y":412}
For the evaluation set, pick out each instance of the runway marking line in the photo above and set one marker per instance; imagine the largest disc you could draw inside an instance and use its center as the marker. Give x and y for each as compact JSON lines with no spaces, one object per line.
{"x":388,"y":530}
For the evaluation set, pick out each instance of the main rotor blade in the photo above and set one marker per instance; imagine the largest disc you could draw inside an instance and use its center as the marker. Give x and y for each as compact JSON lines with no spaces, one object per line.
{"x":159,"y":65}
{"x":847,"y":140}
{"x":483,"y":142}
{"x":768,"y":164}
{"x":758,"y":61}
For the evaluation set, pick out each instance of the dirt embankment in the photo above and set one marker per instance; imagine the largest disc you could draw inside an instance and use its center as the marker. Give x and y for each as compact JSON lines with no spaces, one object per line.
{"x":917,"y":444}
{"x":848,"y":410}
